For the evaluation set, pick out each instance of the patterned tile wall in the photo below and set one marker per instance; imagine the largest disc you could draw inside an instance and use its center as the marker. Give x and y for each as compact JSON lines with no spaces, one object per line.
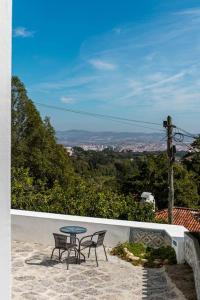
{"x":149,"y":237}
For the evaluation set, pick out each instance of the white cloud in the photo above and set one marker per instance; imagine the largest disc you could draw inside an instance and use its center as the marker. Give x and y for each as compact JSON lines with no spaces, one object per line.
{"x":190,"y":11}
{"x":102,"y":65}
{"x":151,"y":56}
{"x":156,"y":76}
{"x":67,"y":100}
{"x":163,"y":80}
{"x":72,"y":82}
{"x":22,"y":32}
{"x":117,"y":30}
{"x":170,"y":79}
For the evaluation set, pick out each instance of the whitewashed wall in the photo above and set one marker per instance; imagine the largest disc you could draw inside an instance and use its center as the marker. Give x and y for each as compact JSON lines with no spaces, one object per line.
{"x":192,"y":256}
{"x":5,"y":87}
{"x":38,"y":227}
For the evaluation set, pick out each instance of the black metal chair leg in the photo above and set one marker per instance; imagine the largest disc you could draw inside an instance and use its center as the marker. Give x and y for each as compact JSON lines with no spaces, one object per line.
{"x":76,"y":254}
{"x":79,"y":256}
{"x":67,"y":261}
{"x":52,"y":252}
{"x":105,"y":252}
{"x":82,"y":255}
{"x":95,"y":249}
{"x":89,"y":252}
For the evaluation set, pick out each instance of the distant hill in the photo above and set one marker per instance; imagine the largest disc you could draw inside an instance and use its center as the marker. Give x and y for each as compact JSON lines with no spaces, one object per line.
{"x":77,"y":137}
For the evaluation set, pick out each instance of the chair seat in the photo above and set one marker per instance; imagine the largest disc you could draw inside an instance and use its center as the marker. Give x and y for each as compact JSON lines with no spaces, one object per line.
{"x":88,"y":243}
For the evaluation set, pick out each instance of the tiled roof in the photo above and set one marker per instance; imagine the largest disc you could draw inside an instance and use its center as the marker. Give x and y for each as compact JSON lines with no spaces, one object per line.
{"x":186,"y":217}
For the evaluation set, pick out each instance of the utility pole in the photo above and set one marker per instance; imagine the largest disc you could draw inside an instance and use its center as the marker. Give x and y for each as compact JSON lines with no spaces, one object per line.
{"x":171,"y":150}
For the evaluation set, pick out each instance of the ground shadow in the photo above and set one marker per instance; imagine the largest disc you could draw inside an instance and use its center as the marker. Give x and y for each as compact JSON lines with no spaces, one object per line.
{"x":161,"y":283}
{"x":46,"y":261}
{"x":154,"y":284}
{"x":182,"y":276}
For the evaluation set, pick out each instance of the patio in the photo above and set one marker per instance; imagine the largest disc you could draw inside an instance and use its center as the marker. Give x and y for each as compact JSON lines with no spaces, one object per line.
{"x":36,"y":277}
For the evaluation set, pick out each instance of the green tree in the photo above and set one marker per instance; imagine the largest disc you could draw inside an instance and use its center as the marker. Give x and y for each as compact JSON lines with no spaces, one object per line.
{"x":149,"y":173}
{"x":192,"y":163}
{"x":34,"y":144}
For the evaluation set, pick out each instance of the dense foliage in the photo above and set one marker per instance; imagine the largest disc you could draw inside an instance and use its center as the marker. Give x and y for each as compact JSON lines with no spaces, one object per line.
{"x":192,"y":163}
{"x":100,"y":184}
{"x":33,"y":141}
{"x":133,"y":174}
{"x":144,"y":255}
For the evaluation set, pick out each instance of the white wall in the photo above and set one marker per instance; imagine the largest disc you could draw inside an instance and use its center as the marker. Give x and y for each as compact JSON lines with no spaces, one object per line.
{"x":5,"y":79}
{"x":192,"y":257}
{"x":38,"y":227}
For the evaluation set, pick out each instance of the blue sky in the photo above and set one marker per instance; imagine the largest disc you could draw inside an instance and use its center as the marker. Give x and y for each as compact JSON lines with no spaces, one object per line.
{"x":134,"y":59}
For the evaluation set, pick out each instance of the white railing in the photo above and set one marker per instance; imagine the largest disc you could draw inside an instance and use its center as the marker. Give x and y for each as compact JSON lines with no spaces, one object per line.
{"x":38,"y":227}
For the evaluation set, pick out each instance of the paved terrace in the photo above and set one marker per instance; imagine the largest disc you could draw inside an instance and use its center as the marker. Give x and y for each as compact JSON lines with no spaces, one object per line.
{"x":36,"y":277}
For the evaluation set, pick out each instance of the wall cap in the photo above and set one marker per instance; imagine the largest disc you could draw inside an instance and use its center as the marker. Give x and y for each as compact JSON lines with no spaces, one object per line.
{"x":174,"y":231}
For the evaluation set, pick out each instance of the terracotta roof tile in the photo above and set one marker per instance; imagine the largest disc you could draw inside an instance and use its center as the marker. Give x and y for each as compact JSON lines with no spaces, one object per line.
{"x":186,"y":217}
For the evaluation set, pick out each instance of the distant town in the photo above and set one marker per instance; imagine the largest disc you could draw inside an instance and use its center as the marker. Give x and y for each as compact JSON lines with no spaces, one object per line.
{"x":136,"y":148}
{"x":117,"y":141}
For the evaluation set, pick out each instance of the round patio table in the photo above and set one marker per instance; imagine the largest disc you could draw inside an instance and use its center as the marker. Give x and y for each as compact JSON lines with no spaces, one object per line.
{"x":73,"y":231}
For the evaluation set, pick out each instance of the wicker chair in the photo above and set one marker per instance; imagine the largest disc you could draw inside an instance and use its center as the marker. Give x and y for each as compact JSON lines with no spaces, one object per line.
{"x":94,"y":240}
{"x":62,"y":245}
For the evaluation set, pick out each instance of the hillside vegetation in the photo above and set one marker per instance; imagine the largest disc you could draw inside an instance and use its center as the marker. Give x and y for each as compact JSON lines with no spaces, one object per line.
{"x":99,"y":184}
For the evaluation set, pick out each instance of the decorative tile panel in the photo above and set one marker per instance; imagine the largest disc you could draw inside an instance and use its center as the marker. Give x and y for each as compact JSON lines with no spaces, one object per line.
{"x":151,"y":238}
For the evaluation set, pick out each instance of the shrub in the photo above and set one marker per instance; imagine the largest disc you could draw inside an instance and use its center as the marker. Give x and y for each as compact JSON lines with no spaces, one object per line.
{"x":163,"y":253}
{"x":149,"y":257}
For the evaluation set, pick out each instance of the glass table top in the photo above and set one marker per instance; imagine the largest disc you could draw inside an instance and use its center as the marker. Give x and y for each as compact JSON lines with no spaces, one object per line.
{"x":73,"y":229}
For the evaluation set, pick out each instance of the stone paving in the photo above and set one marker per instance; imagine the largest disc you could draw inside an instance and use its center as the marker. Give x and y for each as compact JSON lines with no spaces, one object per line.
{"x":36,"y":277}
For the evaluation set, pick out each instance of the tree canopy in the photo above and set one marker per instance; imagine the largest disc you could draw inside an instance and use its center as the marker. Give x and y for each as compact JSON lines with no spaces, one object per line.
{"x":34,"y":144}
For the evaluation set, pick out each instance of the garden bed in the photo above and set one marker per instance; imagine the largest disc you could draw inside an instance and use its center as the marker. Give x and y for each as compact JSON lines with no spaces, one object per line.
{"x":139,"y":254}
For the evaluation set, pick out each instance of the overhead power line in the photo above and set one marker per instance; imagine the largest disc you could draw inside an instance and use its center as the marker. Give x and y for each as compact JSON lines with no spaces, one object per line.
{"x":103,"y":116}
{"x":186,"y":133}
